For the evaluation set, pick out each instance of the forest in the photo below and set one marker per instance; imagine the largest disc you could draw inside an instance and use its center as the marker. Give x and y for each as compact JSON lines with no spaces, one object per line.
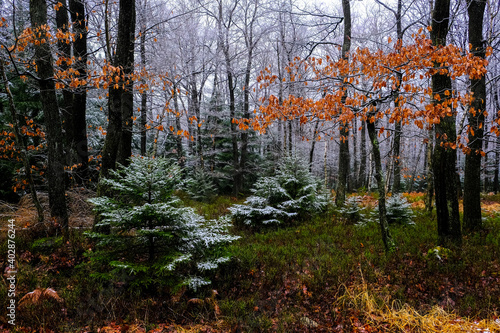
{"x":250,"y":166}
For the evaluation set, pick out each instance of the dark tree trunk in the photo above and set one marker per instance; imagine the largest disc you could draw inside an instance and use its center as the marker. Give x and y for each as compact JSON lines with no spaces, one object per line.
{"x":79,"y":107}
{"x":246,"y":108}
{"x":144,"y":94}
{"x":195,"y":105}
{"x":496,"y":180}
{"x":250,"y":44}
{"x":113,"y":134}
{"x":178,"y":138}
{"x":313,"y":145}
{"x":344,"y":160}
{"x":389,"y":245}
{"x":124,"y":58}
{"x":344,"y":163}
{"x":224,"y":45}
{"x":362,"y":165}
{"x":237,"y":176}
{"x":486,"y":170}
{"x":445,"y":158}
{"x":118,"y":142}
{"x":396,"y":186}
{"x":428,"y":172}
{"x":355,"y":169}
{"x":472,"y":180}
{"x":64,"y":54}
{"x":54,"y":135}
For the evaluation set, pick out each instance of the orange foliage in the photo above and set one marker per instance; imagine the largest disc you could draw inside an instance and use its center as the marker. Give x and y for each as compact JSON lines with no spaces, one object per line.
{"x":374,"y":76}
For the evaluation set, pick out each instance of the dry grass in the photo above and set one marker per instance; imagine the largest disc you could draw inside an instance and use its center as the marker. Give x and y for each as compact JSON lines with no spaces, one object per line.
{"x":389,"y":316}
{"x":25,"y":215}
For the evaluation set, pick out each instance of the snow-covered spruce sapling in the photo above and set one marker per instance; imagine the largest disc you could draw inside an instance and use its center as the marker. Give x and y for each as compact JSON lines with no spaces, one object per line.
{"x":399,"y":210}
{"x":352,"y":211}
{"x":199,"y":186}
{"x":291,"y":194}
{"x":153,"y":240}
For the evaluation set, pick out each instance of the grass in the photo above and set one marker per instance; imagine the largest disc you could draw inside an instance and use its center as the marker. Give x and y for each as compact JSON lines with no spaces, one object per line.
{"x":321,"y":275}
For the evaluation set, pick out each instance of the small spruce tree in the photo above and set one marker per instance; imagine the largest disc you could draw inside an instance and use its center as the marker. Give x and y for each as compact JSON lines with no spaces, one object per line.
{"x":153,"y":240}
{"x":199,"y":186}
{"x":292,"y":193}
{"x":399,"y":210}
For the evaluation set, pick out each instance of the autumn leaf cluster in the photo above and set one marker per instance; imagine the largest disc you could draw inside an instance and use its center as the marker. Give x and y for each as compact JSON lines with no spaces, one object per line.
{"x":350,"y":88}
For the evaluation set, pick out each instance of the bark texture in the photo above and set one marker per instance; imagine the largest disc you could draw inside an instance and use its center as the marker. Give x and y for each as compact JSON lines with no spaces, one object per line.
{"x":118,"y":142}
{"x":379,"y":177}
{"x":344,"y":161}
{"x":79,"y":106}
{"x":472,"y":187}
{"x":445,"y":158}
{"x":54,"y":135}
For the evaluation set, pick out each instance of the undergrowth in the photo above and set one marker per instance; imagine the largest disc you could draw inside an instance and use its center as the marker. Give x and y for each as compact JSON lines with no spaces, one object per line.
{"x":321,"y":275}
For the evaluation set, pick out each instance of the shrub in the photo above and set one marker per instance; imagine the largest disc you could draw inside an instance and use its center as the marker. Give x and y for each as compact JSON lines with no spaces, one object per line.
{"x":352,"y":211}
{"x":399,"y":210}
{"x":153,"y":240}
{"x":199,"y":186}
{"x":293,"y":193}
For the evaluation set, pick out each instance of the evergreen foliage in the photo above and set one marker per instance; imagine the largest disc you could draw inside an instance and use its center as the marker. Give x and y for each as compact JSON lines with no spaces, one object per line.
{"x":199,"y":186}
{"x":352,"y":211}
{"x":399,"y":210}
{"x":153,"y":240}
{"x":291,"y":194}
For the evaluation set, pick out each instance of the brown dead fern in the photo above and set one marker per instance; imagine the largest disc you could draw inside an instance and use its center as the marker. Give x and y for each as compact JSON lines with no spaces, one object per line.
{"x":37,"y":296}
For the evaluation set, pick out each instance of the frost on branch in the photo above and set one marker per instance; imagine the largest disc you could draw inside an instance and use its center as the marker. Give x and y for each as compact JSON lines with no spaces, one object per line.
{"x":292,"y":194}
{"x":152,"y":239}
{"x":399,"y":210}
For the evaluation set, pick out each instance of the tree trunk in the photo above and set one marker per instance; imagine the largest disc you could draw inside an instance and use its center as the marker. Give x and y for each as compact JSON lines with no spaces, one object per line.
{"x":344,"y":128}
{"x":355,"y":169}
{"x":124,"y":58}
{"x":414,"y":172}
{"x":178,"y":138}
{"x":196,"y":110}
{"x":313,"y":145}
{"x":396,"y":152}
{"x":144,"y":94}
{"x":396,"y":186}
{"x":389,"y":245}
{"x":54,"y":135}
{"x":428,"y":172}
{"x":362,"y":165}
{"x":486,"y":170}
{"x":246,"y":108}
{"x":224,"y":45}
{"x":234,"y":135}
{"x":445,"y":158}
{"x":496,"y":180}
{"x":250,"y":44}
{"x":79,"y":107}
{"x":64,"y":54}
{"x":472,"y":180}
{"x":344,"y":162}
{"x":117,"y":145}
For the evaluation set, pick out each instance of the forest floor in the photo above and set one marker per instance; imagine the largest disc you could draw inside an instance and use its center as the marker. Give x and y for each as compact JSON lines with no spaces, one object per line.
{"x":327,"y":274}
